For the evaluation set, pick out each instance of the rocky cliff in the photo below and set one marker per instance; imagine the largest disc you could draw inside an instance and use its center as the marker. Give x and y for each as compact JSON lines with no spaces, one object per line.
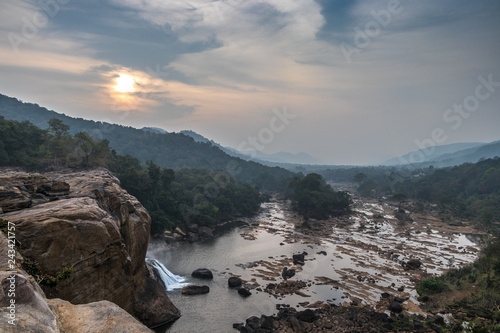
{"x":87,"y":239}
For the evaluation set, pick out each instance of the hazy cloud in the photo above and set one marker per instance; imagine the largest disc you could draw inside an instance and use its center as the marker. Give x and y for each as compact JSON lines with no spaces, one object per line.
{"x":220,"y":67}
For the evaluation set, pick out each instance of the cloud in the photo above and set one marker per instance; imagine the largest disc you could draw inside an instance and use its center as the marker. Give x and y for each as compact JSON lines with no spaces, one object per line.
{"x":220,"y":67}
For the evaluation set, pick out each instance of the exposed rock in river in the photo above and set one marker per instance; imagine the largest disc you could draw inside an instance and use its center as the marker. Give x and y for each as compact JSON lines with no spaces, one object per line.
{"x":85,"y":221}
{"x":234,"y":282}
{"x":298,"y":259}
{"x":195,"y":290}
{"x":202,"y":273}
{"x":244,"y":292}
{"x":413,"y":264}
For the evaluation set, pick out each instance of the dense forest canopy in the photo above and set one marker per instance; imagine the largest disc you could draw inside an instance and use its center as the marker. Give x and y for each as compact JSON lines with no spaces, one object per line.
{"x":312,"y":197}
{"x":177,"y":198}
{"x":470,"y":191}
{"x":174,"y":198}
{"x":169,"y":150}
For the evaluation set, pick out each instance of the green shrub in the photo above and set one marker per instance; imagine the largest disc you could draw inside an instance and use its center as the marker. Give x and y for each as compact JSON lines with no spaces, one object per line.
{"x":432,"y":286}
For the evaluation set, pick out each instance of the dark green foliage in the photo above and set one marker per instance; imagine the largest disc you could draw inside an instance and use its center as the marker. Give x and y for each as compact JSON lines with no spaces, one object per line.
{"x":177,"y":198}
{"x":470,"y":191}
{"x":23,"y":144}
{"x":482,"y":281}
{"x":173,"y":198}
{"x":431,"y":286}
{"x":168,"y":150}
{"x":312,"y":197}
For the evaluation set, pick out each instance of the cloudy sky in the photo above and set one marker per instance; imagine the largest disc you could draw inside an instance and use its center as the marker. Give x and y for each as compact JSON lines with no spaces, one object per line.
{"x":349,"y":82}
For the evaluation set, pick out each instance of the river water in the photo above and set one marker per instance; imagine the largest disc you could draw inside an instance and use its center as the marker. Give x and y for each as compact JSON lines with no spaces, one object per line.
{"x":360,"y":262}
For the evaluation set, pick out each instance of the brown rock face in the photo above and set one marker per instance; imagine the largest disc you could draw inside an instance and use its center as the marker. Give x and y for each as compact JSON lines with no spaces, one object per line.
{"x":35,"y":313}
{"x":100,"y":316}
{"x":97,"y":229}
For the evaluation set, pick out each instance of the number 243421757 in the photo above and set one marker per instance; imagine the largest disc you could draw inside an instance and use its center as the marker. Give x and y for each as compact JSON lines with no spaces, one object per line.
{"x":11,"y":239}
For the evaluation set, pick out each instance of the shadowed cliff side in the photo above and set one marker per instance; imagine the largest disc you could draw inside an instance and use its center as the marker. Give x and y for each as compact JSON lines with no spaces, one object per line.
{"x":85,"y":239}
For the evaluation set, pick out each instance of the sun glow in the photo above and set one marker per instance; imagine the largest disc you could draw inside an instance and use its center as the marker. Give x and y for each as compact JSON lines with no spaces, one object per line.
{"x":124,"y":84}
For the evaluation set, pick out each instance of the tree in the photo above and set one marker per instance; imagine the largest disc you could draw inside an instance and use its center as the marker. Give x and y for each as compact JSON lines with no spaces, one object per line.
{"x":59,"y":141}
{"x":360,"y":177}
{"x":400,"y":198}
{"x":58,"y":129}
{"x":312,"y":197}
{"x":90,"y":152}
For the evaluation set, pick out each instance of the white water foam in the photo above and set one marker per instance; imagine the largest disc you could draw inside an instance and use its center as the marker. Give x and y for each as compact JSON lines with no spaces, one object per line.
{"x":169,"y":279}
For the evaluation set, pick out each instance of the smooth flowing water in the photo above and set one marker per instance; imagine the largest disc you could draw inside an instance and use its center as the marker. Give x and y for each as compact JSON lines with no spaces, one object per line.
{"x":170,"y":280}
{"x":219,"y":309}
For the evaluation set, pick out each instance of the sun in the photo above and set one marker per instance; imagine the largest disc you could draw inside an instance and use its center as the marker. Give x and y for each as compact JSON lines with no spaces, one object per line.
{"x":124,"y":84}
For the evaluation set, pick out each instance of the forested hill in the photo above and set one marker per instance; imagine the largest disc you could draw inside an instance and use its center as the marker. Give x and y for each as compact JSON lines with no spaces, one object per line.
{"x":170,"y":150}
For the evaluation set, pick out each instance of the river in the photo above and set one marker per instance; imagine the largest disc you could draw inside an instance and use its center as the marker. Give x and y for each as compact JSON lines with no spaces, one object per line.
{"x":358,"y":258}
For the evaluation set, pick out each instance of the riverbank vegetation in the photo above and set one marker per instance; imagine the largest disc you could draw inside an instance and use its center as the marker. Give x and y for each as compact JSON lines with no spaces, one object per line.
{"x":312,"y":197}
{"x":468,"y":192}
{"x":176,"y":198}
{"x":471,"y":293}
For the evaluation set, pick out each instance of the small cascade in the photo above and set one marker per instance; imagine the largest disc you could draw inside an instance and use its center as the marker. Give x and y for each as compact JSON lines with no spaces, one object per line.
{"x":169,"y":280}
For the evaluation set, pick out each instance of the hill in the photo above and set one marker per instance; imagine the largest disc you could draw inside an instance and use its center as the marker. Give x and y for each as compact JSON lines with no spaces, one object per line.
{"x":169,"y":150}
{"x":275,"y":159}
{"x":447,"y":155}
{"x":431,"y":153}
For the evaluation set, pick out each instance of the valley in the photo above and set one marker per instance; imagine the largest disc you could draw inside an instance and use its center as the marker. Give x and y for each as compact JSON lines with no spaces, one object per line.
{"x":350,"y":260}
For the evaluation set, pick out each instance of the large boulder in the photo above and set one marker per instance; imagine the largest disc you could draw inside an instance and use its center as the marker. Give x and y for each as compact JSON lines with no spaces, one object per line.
{"x":195,"y":290}
{"x":202,"y":273}
{"x":413,"y":264}
{"x":205,"y":233}
{"x":35,"y":313}
{"x":244,"y":292}
{"x":298,"y":259}
{"x":395,"y":307}
{"x":98,"y":230}
{"x":234,"y":282}
{"x":31,"y":312}
{"x":12,"y":198}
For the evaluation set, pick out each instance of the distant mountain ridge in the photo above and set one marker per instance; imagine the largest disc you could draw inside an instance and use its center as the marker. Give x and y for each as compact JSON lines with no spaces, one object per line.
{"x":156,"y":130}
{"x":257,"y":156}
{"x":447,"y":155}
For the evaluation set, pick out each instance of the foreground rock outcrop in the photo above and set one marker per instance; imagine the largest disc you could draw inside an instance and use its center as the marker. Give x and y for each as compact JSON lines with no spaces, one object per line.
{"x":85,"y":223}
{"x":24,"y":307}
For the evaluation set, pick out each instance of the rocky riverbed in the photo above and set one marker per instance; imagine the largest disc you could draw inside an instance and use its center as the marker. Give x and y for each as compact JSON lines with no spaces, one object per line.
{"x":360,"y":257}
{"x":367,"y":260}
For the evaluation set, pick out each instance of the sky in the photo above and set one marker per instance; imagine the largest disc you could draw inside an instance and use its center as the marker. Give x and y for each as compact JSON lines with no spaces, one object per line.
{"x":348,"y":82}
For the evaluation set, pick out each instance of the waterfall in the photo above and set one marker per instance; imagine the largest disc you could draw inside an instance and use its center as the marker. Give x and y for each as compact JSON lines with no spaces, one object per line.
{"x":169,"y":280}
